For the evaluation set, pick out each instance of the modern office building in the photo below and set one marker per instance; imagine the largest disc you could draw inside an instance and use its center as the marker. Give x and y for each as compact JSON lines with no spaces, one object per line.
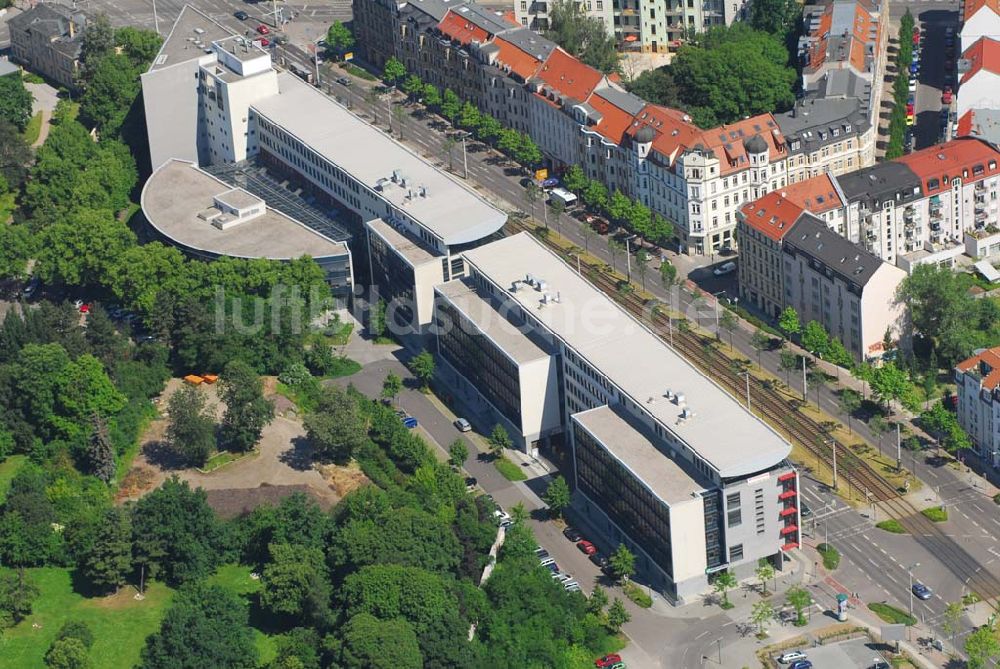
{"x":216,"y":99}
{"x":651,"y":466}
{"x":977,"y":385}
{"x":47,"y":39}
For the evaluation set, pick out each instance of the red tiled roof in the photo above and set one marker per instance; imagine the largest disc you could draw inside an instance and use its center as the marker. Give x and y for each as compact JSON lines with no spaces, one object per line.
{"x":983,"y":54}
{"x":461,"y":29}
{"x":569,"y":76}
{"x":673,"y":129}
{"x":773,"y":215}
{"x":973,"y":6}
{"x":991,"y":358}
{"x":817,"y":194}
{"x":727,"y":141}
{"x":966,"y":158}
{"x":615,"y":120}
{"x":519,"y":61}
{"x":511,"y":18}
{"x":965,"y":123}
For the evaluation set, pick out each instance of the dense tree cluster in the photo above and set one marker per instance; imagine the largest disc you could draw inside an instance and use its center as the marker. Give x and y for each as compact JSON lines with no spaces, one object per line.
{"x":15,"y":101}
{"x":723,"y":75}
{"x":632,"y":215}
{"x":901,"y":89}
{"x":582,"y":35}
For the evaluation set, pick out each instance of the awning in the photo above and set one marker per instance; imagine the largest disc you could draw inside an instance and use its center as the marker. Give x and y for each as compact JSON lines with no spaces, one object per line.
{"x":631,"y":38}
{"x":988,"y":271}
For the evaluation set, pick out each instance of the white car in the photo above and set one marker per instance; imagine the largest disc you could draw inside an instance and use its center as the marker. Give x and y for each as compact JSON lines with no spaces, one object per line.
{"x":791,"y":656}
{"x":913,"y":85}
{"x":725,"y":268}
{"x":462,"y":425}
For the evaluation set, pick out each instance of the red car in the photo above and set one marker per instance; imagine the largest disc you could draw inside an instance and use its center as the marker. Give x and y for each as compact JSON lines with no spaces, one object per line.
{"x":84,"y":308}
{"x":263,"y":30}
{"x":264,"y":41}
{"x":608,"y":660}
{"x":946,"y":96}
{"x":916,"y":36}
{"x":586,"y":547}
{"x":909,"y":108}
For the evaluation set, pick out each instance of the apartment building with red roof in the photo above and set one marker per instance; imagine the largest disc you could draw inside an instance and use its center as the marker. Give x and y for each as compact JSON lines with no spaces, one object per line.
{"x":980,"y":18}
{"x":979,"y":83}
{"x":977,"y":388}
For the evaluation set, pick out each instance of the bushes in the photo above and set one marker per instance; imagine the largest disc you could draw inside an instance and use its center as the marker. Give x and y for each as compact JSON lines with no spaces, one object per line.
{"x":831,"y":556}
{"x":509,"y":470}
{"x":639,"y":596}
{"x":892,"y":525}
{"x":938,"y":514}
{"x":891,"y":614}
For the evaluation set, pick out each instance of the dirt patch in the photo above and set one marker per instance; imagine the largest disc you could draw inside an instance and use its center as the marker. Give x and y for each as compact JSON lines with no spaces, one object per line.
{"x":343,"y":479}
{"x":139,"y":480}
{"x":123,"y":599}
{"x":233,"y":502}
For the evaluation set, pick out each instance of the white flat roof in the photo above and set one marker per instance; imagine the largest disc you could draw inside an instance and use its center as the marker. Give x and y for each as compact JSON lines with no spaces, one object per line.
{"x":413,"y":251}
{"x":722,"y":432}
{"x":503,"y":333}
{"x":633,"y":447}
{"x":453,"y":212}
{"x":178,"y":191}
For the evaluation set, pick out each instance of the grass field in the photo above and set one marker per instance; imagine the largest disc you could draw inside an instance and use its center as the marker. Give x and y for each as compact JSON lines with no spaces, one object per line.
{"x":8,"y":469}
{"x":509,"y":470}
{"x":33,"y":129}
{"x":120,"y":623}
{"x":236,"y":579}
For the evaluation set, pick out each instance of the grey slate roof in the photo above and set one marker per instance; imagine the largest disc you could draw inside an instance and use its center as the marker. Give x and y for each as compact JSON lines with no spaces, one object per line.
{"x":435,"y":8}
{"x":812,"y":122}
{"x":631,"y":104}
{"x":885,"y":181}
{"x":530,"y":42}
{"x":811,"y":237}
{"x":52,"y":21}
{"x":755,"y":144}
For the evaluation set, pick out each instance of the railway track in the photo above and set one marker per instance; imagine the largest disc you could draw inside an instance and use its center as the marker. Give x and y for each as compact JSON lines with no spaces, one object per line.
{"x":782,"y":415}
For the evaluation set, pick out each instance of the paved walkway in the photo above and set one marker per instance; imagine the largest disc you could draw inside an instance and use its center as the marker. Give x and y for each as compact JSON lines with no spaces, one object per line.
{"x":45,"y":100}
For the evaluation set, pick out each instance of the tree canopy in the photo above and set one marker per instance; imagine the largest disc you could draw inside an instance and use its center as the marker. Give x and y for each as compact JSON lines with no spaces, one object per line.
{"x":582,"y":35}
{"x":15,"y":101}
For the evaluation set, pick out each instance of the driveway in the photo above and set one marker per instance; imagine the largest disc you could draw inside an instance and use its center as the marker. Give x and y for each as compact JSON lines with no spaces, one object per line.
{"x":45,"y":99}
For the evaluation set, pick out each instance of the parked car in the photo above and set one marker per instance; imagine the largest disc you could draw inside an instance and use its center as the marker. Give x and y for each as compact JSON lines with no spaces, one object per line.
{"x":263,"y":41}
{"x":263,"y":30}
{"x":914,"y":68}
{"x":551,"y":182}
{"x":462,"y":425}
{"x":343,"y":81}
{"x":909,"y":108}
{"x":32,"y":287}
{"x":541,"y":553}
{"x":801,"y":664}
{"x":607,"y":660}
{"x":910,"y":119}
{"x":410,"y":422}
{"x":599,"y":225}
{"x":571,"y":586}
{"x":241,"y":15}
{"x":946,"y":96}
{"x":804,"y":510}
{"x":791,"y":656}
{"x":84,"y":308}
{"x":913,"y":86}
{"x":471,"y":482}
{"x":922,"y":591}
{"x":586,"y":547}
{"x":572,"y":534}
{"x":598,"y":559}
{"x":725,"y":268}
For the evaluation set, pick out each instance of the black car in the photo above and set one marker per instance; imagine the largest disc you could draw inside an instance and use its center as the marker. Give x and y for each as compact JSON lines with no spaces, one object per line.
{"x":804,"y":510}
{"x":241,"y":15}
{"x":470,"y":481}
{"x":572,"y":534}
{"x":598,"y":560}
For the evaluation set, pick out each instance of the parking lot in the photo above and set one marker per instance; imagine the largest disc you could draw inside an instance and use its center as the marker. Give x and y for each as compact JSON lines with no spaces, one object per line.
{"x":853,"y":654}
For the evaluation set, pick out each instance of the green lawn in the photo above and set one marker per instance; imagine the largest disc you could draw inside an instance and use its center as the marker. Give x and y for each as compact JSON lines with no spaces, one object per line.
{"x":891,"y":614}
{"x":509,"y":470}
{"x":120,"y":623}
{"x":33,"y":129}
{"x":8,"y":469}
{"x":891,"y":525}
{"x":236,"y":579}
{"x":936,"y":513}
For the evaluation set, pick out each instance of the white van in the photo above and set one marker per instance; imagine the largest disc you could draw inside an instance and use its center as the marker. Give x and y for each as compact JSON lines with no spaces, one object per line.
{"x":791,"y":656}
{"x":562,"y":195}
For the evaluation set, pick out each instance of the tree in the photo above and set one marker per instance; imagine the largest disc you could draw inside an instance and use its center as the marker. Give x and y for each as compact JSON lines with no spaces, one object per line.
{"x":68,"y":653}
{"x":938,"y":307}
{"x":340,"y":38}
{"x":15,"y":156}
{"x":668,"y":274}
{"x":205,"y":626}
{"x":982,"y":647}
{"x":531,"y":194}
{"x":728,"y":73}
{"x":888,"y":382}
{"x":458,"y":453}
{"x":141,"y":46}
{"x":642,"y":266}
{"x":499,"y":441}
{"x":764,"y":572}
{"x":191,"y":425}
{"x":622,"y":563}
{"x":174,"y":533}
{"x":837,"y":354}
{"x":108,"y":561}
{"x":724,"y":582}
{"x":100,"y":451}
{"x":878,"y":426}
{"x":598,"y":600}
{"x":112,"y":88}
{"x":618,"y":206}
{"x":815,"y":339}
{"x":468,"y":116}
{"x":573,"y":179}
{"x":595,"y":195}
{"x":527,"y":152}
{"x":294,"y":585}
{"x":558,"y":207}
{"x":15,"y":101}
{"x":488,"y":129}
{"x":391,"y":386}
{"x":557,"y":495}
{"x":98,"y":40}
{"x":450,"y":105}
{"x":422,"y":366}
{"x":618,"y":615}
{"x":336,"y":429}
{"x":379,"y":644}
{"x":413,"y":87}
{"x":583,"y":36}
{"x":759,"y":341}
{"x":799,"y":598}
{"x":777,"y":17}
{"x":729,"y":323}
{"x":18,"y":593}
{"x":432,"y":96}
{"x":788,"y":322}
{"x":849,"y":401}
{"x":83,"y":249}
{"x":247,"y":410}
{"x":952,"y":617}
{"x":393,"y":71}
{"x":788,"y":362}
{"x":614,"y":248}
{"x":761,"y":615}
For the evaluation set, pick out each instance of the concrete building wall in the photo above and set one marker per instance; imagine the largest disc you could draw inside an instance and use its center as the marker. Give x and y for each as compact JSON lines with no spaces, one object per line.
{"x":984,"y":23}
{"x":981,"y":91}
{"x":758,"y":530}
{"x":173,"y":113}
{"x":541,"y":410}
{"x":880,"y":312}
{"x":687,"y":525}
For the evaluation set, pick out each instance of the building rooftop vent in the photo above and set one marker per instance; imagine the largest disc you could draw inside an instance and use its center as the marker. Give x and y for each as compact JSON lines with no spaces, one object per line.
{"x":687,"y":413}
{"x":679,"y":399}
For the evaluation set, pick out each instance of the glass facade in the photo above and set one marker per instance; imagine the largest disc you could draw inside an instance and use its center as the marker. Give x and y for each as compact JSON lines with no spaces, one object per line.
{"x":713,"y":535}
{"x":476,"y":358}
{"x":395,"y":281}
{"x":629,"y":504}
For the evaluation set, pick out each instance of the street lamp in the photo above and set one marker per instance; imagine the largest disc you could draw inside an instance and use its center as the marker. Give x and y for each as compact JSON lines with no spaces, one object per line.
{"x":909,"y":570}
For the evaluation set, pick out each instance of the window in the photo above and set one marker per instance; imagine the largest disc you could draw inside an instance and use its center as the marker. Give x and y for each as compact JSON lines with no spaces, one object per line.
{"x":734,"y":516}
{"x":736,"y":553}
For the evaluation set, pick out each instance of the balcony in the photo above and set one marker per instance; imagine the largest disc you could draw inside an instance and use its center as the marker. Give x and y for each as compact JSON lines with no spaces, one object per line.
{"x":788,"y":494}
{"x":789,"y":529}
{"x":628,"y":11}
{"x":787,"y":476}
{"x":790,"y":545}
{"x":788,"y":511}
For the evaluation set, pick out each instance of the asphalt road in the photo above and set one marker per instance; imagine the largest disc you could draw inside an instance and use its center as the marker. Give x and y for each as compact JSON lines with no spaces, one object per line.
{"x":932,"y":76}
